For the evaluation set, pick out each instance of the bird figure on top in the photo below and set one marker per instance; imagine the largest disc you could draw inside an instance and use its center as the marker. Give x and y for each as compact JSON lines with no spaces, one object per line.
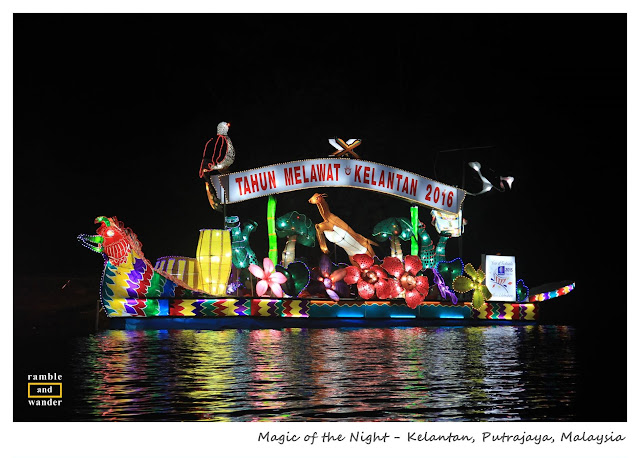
{"x":223,"y":153}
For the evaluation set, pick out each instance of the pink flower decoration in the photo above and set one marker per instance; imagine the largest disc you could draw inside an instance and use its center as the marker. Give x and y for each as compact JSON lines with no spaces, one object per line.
{"x":269,"y":278}
{"x":371,"y":280}
{"x":405,"y":280}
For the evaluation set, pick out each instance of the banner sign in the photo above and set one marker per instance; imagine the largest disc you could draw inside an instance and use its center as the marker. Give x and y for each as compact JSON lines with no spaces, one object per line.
{"x":501,"y":277}
{"x":352,"y":173}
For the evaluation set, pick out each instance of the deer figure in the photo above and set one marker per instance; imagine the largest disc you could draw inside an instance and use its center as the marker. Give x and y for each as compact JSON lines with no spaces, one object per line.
{"x":337,"y":231}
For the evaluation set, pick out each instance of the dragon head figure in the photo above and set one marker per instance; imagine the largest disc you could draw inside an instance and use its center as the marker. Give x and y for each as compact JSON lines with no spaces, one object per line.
{"x":113,"y":240}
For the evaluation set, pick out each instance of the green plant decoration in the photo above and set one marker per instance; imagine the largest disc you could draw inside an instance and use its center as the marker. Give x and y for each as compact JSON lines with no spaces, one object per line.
{"x":522,"y":291}
{"x":297,"y":228}
{"x":297,"y":275}
{"x":449,"y":270}
{"x":394,"y":229}
{"x":474,"y":282}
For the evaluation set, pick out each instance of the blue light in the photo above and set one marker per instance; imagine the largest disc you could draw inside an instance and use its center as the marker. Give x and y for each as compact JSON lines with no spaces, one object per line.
{"x":348,"y":314}
{"x":402,"y":316}
{"x":454,"y":316}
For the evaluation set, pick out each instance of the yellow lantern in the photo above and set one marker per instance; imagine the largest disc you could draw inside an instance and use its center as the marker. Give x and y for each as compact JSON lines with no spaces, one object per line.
{"x":185,"y":269}
{"x":214,"y":260}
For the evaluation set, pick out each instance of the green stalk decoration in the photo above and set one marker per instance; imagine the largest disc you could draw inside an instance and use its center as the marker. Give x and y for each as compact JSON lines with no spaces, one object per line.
{"x":414,"y":224}
{"x":271,"y":230}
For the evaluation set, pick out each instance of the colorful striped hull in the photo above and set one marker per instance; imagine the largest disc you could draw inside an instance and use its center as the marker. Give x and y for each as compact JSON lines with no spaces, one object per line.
{"x":302,"y":308}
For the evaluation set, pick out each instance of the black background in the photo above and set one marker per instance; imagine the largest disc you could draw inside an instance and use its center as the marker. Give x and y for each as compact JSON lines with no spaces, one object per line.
{"x":111,"y":113}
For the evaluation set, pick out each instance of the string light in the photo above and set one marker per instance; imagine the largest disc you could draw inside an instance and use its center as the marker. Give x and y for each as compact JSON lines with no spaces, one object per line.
{"x":552,"y":294}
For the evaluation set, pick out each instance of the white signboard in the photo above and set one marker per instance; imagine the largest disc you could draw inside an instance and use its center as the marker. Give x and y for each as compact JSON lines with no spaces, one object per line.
{"x":501,"y":277}
{"x":341,"y":172}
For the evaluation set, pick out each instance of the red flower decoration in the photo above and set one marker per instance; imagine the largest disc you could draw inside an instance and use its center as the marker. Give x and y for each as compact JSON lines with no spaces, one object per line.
{"x":405,"y":281}
{"x":371,"y":280}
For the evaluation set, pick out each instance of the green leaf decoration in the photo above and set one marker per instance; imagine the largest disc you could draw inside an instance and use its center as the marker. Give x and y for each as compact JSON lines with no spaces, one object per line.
{"x":294,"y":223}
{"x":463,"y":284}
{"x":478,"y":299}
{"x":480,"y":276}
{"x":475,"y":283}
{"x":470,"y":271}
{"x":393,"y":227}
{"x":300,"y":276}
{"x":522,"y":291}
{"x":449,"y":270}
{"x":297,"y":275}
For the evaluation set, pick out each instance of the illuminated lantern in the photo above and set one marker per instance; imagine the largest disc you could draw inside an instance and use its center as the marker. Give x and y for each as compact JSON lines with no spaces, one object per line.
{"x":406,"y":282}
{"x":394,"y":229}
{"x":271,"y":229}
{"x":297,"y":275}
{"x":508,"y":180}
{"x":415,"y":226}
{"x":447,"y":224}
{"x":242,"y":254}
{"x":297,"y":228}
{"x":214,"y":260}
{"x":440,"y":249}
{"x":486,"y":184}
{"x":328,"y":278}
{"x":427,"y":249}
{"x":522,"y":291}
{"x":180,"y":267}
{"x":445,"y":292}
{"x":223,"y":153}
{"x":474,"y":282}
{"x":345,"y":148}
{"x":335,"y":230}
{"x":449,"y":270}
{"x":269,"y":278}
{"x":371,"y":280}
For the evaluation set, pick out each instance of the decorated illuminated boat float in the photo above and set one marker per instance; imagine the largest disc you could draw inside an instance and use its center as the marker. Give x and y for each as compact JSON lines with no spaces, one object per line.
{"x":226,"y":278}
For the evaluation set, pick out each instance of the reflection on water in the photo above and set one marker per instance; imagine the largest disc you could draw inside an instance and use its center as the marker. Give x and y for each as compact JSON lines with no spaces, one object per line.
{"x":349,"y":374}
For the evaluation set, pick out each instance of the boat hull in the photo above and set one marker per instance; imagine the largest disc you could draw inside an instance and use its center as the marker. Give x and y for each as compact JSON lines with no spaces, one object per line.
{"x":305,"y":308}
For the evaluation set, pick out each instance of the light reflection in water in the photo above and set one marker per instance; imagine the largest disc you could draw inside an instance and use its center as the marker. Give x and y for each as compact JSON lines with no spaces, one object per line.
{"x":371,"y":374}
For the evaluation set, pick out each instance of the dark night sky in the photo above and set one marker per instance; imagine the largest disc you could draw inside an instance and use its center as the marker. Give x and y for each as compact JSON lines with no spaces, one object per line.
{"x":111,"y":113}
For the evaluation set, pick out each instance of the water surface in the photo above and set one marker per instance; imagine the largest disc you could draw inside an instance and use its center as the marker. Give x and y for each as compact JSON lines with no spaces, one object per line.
{"x":486,"y":373}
